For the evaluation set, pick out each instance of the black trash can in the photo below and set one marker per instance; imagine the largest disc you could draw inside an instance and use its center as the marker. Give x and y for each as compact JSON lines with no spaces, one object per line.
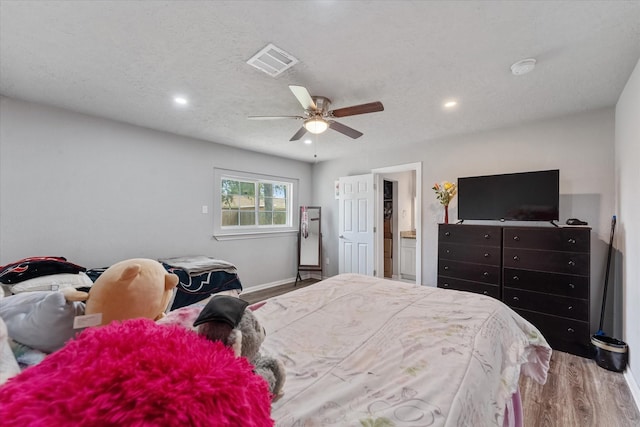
{"x":610,"y":353}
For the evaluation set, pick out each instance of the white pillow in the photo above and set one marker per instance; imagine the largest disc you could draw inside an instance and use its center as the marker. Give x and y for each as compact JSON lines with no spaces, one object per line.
{"x":40,"y":320}
{"x":53,"y":282}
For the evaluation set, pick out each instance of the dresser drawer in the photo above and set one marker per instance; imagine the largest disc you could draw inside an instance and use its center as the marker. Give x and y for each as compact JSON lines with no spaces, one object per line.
{"x":551,"y":261}
{"x":470,"y":234}
{"x":466,"y":285}
{"x":489,"y":255}
{"x":571,"y":336}
{"x":553,"y":283}
{"x":549,"y":304}
{"x":468,"y":271}
{"x":555,"y":239}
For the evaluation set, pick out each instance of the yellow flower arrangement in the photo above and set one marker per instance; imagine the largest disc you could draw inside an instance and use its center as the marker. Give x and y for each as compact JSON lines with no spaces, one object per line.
{"x":445,"y":192}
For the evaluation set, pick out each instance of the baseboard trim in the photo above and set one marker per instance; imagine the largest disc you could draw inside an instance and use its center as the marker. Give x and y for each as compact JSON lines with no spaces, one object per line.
{"x":633,"y":386}
{"x":270,"y":285}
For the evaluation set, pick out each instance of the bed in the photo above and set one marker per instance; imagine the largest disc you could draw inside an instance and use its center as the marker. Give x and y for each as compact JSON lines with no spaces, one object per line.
{"x":365,"y":351}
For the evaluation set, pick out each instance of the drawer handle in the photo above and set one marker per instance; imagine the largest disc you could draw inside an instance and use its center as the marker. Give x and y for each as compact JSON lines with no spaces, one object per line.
{"x":572,"y":263}
{"x":485,"y":274}
{"x":570,"y":307}
{"x":486,"y":255}
{"x":447,"y":234}
{"x":516,"y":299}
{"x":516,"y":258}
{"x":445,"y":285}
{"x":516,"y":278}
{"x":571,"y":241}
{"x":446,"y":267}
{"x":516,"y":238}
{"x":485,"y":292}
{"x":570,"y":330}
{"x":487,"y":236}
{"x":448,"y":251}
{"x":572,"y":286}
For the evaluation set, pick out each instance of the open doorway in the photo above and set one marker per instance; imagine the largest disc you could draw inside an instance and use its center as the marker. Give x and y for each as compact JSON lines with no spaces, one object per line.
{"x":399,"y":217}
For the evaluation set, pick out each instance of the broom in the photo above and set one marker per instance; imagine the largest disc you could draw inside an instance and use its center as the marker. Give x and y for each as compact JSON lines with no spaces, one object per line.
{"x":600,"y":332}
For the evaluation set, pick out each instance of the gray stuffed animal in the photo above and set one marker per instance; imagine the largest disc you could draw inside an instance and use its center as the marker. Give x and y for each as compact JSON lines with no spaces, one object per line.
{"x":227,"y":319}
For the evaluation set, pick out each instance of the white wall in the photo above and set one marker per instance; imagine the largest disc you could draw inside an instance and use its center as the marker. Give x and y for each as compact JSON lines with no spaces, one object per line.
{"x":98,"y":191}
{"x":581,"y":146}
{"x":627,"y":178}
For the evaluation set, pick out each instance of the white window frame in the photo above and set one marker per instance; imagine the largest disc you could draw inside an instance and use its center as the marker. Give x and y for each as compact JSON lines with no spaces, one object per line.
{"x":249,"y":232}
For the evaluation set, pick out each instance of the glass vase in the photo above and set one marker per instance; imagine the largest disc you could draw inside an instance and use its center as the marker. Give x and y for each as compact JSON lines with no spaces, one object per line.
{"x":446,"y":214}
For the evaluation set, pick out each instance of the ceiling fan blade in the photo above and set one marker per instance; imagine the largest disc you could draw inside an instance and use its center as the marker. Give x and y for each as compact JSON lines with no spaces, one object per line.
{"x":346,"y":130}
{"x":303,"y":96}
{"x":299,"y":134}
{"x":371,"y":107}
{"x":273,"y":117}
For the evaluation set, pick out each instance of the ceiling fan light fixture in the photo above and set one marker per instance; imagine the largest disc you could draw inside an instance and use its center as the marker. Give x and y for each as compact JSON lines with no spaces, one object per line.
{"x":316,"y":125}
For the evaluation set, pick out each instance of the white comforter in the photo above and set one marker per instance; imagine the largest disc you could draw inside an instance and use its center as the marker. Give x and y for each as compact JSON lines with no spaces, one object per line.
{"x":363,"y":351}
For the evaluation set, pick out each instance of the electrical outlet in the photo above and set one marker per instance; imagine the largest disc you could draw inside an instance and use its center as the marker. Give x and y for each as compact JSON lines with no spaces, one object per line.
{"x":326,"y":260}
{"x":205,"y":209}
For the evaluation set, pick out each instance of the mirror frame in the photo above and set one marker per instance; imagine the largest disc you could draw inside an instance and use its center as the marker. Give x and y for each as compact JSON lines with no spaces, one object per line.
{"x":318,"y":265}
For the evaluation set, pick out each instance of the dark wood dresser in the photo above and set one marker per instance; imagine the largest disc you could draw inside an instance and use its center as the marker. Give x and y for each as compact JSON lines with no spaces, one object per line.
{"x":544,"y":275}
{"x":469,"y":258}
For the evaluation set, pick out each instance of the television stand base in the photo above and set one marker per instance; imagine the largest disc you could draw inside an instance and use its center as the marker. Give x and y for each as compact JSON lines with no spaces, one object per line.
{"x":554,"y":224}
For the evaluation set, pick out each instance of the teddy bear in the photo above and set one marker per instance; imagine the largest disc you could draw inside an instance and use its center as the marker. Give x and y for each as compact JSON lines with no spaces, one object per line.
{"x":131,"y":289}
{"x":227,"y":319}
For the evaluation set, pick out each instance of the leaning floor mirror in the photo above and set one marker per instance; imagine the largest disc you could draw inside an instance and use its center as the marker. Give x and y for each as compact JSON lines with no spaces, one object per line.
{"x":309,"y":241}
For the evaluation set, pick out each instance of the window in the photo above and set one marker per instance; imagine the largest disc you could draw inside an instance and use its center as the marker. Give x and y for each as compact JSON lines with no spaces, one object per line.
{"x":249,"y":204}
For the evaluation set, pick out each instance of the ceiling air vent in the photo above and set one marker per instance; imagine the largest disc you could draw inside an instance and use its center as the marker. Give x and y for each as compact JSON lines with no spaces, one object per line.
{"x":272,"y":60}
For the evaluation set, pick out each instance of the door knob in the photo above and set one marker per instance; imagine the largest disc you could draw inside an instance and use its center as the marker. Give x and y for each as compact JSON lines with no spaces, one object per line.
{"x":341,"y":236}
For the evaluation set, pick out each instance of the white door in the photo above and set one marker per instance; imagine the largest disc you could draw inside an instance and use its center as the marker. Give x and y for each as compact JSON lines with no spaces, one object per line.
{"x":356,"y":224}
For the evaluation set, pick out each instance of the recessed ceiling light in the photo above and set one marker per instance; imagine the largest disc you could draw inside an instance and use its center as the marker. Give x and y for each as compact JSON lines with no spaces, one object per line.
{"x":523,"y":67}
{"x":450,"y":104}
{"x":307,"y":141}
{"x":180,"y":100}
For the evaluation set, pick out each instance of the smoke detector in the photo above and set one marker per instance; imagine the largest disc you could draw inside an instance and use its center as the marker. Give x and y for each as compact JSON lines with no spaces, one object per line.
{"x":523,"y":67}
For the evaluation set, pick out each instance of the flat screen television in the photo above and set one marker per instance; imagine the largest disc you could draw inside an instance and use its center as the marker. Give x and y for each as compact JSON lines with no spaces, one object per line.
{"x":526,"y":196}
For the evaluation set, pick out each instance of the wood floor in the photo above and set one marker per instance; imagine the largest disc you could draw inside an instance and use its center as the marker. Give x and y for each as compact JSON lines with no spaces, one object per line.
{"x":256,"y":296}
{"x":578,"y":393}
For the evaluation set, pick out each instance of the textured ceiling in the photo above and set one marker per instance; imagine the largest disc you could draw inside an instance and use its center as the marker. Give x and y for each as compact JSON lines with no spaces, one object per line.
{"x":125,"y":60}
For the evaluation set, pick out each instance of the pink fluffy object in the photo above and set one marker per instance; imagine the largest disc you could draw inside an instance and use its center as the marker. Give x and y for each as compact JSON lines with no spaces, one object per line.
{"x":138,"y":373}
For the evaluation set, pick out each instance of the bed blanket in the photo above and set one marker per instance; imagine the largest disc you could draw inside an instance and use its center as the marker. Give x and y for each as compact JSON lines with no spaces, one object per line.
{"x":363,"y":351}
{"x":196,"y":265}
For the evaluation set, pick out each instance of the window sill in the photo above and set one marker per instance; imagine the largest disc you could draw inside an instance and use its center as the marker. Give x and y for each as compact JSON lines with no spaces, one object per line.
{"x":254,"y":234}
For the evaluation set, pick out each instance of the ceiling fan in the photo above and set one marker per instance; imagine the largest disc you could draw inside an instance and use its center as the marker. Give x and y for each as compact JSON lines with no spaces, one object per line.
{"x":317,"y":116}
